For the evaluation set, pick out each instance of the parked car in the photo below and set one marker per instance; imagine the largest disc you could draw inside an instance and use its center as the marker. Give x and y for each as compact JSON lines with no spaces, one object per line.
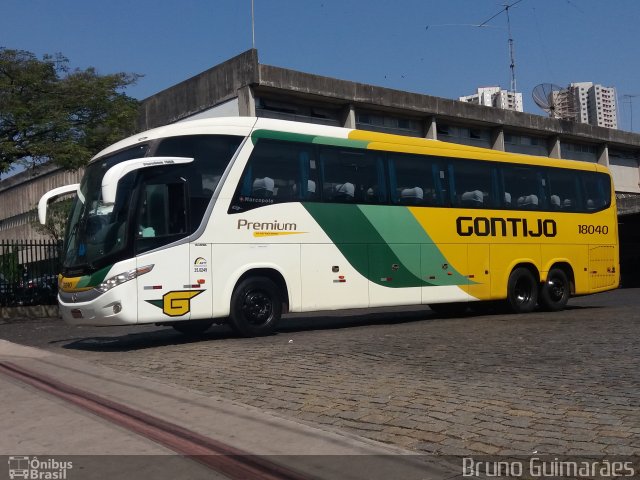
{"x":8,"y":290}
{"x":38,"y":291}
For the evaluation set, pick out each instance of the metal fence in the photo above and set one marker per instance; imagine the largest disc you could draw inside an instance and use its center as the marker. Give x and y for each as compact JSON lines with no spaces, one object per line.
{"x":29,"y":272}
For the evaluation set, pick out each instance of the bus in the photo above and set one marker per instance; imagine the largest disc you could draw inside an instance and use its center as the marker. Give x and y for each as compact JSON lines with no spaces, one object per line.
{"x":242,"y":219}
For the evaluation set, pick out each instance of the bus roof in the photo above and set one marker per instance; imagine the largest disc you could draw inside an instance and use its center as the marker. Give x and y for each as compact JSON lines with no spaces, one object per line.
{"x":328,"y":135}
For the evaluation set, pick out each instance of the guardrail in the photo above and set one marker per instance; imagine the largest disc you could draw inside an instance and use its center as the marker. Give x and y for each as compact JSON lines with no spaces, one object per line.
{"x":29,"y":272}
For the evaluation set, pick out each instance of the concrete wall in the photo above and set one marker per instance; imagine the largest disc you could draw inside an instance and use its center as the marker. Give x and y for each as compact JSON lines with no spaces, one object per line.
{"x":19,"y":196}
{"x":202,"y":92}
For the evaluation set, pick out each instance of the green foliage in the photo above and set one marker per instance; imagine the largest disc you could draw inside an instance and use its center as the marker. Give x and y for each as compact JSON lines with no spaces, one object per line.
{"x":50,"y":113}
{"x":57,"y":217}
{"x":9,"y":266}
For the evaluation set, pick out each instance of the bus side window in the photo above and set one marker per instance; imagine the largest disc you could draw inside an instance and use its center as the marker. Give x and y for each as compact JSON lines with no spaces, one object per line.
{"x":277,"y":172}
{"x":597,"y":191}
{"x":563,"y":187}
{"x":524,"y":188}
{"x":352,"y":176}
{"x":162,"y":216}
{"x":414,"y":180}
{"x":473,"y":184}
{"x":211,"y":154}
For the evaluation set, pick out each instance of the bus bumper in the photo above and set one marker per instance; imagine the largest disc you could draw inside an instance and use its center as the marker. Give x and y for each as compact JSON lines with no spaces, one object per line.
{"x":117,"y":306}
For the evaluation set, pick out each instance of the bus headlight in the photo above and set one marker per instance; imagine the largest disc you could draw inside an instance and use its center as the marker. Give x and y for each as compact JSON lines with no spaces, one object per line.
{"x":121,"y":278}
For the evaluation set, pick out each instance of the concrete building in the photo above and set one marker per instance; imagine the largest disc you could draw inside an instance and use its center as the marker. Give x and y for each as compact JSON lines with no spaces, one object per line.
{"x":243,"y":86}
{"x":594,"y":104}
{"x":19,"y":195}
{"x":495,"y":97}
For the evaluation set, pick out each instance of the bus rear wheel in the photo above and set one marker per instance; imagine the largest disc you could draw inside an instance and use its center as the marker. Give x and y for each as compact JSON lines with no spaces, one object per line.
{"x":522,"y":291}
{"x":555,"y":292}
{"x":256,"y":307}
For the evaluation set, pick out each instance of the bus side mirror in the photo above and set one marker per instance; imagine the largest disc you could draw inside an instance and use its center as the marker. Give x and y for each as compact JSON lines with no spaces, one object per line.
{"x":115,"y":173}
{"x":56,"y":192}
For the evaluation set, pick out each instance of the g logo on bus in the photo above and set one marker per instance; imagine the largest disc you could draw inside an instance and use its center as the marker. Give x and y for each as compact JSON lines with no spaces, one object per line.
{"x":176,"y":303}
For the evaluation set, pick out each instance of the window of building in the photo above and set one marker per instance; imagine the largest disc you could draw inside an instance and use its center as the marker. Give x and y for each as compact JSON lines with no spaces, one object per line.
{"x":389,"y":124}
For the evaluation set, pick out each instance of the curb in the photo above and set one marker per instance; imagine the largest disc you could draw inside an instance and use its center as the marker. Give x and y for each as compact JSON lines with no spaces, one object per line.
{"x":17,"y":314}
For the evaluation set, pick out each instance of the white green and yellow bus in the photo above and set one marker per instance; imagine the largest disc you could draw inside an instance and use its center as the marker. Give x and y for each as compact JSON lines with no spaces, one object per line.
{"x":242,"y":219}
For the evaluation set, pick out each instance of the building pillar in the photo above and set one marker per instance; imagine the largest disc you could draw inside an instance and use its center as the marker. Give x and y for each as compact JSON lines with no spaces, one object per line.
{"x":349,"y":117}
{"x":430,"y":128}
{"x":554,"y":147}
{"x":603,"y":155}
{"x":497,"y":139}
{"x":246,"y":102}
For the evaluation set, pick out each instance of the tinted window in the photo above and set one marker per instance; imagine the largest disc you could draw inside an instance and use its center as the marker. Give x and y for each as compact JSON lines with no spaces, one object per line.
{"x":162,"y":212}
{"x":352,"y":176}
{"x":277,"y":172}
{"x":472,"y":185}
{"x":597,"y":191}
{"x":523,"y":188}
{"x":211,"y":154}
{"x":415,"y":180}
{"x":564,"y":190}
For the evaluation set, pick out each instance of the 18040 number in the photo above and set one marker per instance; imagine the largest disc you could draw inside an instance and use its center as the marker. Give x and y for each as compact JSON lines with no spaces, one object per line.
{"x":593,"y":229}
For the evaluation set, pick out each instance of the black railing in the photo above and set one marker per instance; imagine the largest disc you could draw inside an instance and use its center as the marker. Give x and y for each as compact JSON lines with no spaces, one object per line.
{"x":29,"y":272}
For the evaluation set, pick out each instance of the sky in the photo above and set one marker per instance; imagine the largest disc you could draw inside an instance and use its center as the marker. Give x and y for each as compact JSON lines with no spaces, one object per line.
{"x":424,"y":46}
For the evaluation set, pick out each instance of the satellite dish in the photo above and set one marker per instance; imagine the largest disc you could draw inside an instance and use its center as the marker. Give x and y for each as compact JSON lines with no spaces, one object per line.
{"x":558,"y":102}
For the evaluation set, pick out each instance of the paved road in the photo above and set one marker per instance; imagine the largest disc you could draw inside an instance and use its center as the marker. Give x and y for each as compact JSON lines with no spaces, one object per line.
{"x":551,"y":383}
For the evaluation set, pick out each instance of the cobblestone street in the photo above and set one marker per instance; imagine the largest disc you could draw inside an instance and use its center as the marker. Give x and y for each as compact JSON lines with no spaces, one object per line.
{"x":551,"y":383}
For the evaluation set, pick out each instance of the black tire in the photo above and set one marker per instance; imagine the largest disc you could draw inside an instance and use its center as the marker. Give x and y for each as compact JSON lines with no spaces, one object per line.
{"x":555,"y":292}
{"x":256,"y":307}
{"x":522,"y":291}
{"x":192,"y":327}
{"x":454,"y":309}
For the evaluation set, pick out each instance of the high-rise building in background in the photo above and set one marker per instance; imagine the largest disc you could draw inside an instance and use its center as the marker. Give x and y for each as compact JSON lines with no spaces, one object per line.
{"x":496,"y":97}
{"x":594,"y":104}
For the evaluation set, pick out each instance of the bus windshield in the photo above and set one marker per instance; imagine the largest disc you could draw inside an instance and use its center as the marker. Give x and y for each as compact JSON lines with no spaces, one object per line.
{"x":96,"y":231}
{"x":153,"y":207}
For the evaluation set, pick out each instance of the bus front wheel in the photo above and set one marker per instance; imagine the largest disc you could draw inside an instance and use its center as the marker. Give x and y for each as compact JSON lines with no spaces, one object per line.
{"x":256,"y":307}
{"x":522,"y":291}
{"x":554,"y":293}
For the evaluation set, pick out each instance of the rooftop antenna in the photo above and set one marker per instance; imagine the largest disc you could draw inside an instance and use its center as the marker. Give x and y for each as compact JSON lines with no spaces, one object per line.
{"x":253,"y":27}
{"x":628,"y":98}
{"x":512,"y":58}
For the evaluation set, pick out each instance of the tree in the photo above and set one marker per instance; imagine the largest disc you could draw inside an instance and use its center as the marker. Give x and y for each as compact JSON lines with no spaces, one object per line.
{"x":51,"y":113}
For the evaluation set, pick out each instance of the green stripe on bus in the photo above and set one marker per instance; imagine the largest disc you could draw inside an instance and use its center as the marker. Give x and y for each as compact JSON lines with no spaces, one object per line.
{"x":398,"y":227}
{"x":96,"y":278}
{"x":353,"y":234}
{"x":302,"y":138}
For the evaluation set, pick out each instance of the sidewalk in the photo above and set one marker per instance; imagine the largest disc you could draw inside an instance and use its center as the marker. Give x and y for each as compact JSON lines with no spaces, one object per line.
{"x":36,"y":423}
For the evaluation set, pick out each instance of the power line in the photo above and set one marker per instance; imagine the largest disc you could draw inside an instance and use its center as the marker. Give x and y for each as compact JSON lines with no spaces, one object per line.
{"x":512,"y":58}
